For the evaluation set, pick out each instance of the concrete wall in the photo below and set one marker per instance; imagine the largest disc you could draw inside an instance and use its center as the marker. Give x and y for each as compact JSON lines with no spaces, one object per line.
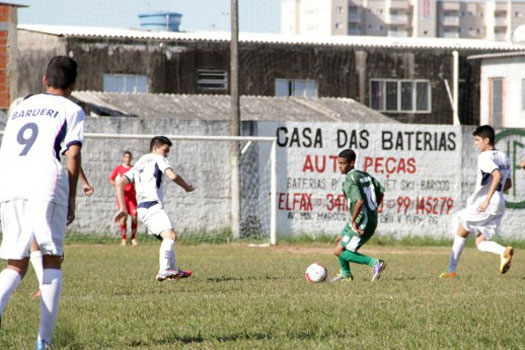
{"x":428,"y":173}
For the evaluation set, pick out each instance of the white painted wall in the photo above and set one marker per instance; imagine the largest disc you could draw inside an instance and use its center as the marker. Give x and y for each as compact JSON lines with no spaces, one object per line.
{"x":512,"y":70}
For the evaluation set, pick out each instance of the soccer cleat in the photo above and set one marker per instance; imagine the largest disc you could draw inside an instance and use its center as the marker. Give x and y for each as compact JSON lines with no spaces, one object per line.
{"x":134,"y":242}
{"x":378,"y":268}
{"x":183,"y":274}
{"x":42,"y":345}
{"x":506,"y":259}
{"x":342,"y":278}
{"x":123,"y":242}
{"x":172,"y":274}
{"x":37,"y":294}
{"x":447,"y":274}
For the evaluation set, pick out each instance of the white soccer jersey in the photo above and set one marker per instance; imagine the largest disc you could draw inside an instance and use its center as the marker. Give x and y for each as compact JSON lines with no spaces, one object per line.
{"x":489,"y":161}
{"x":147,"y":175}
{"x":39,"y":130}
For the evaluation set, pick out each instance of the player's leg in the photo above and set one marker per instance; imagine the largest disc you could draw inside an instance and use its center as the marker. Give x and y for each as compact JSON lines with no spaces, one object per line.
{"x":123,"y":228}
{"x":457,"y":250}
{"x":49,"y":224}
{"x":505,"y":253}
{"x":122,"y":223}
{"x":354,"y":241}
{"x":51,"y":288}
{"x":10,"y":278}
{"x":131,"y":204}
{"x":345,"y":273}
{"x":167,"y":260}
{"x":36,"y":262}
{"x":16,"y":239}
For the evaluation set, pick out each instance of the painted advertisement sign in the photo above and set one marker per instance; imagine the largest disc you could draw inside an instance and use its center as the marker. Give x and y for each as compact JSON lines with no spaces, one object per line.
{"x":417,"y":165}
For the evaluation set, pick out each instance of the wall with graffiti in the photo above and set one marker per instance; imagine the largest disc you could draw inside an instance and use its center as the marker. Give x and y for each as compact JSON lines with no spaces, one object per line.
{"x":428,"y":172}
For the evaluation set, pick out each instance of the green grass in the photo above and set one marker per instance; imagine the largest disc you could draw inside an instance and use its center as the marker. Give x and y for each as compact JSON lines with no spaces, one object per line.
{"x":257,"y":298}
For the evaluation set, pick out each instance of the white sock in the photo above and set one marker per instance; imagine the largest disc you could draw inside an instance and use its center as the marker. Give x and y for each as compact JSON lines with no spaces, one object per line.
{"x":491,"y":247}
{"x":36,"y":261}
{"x":50,"y":287}
{"x":167,"y":254}
{"x":9,"y":280}
{"x":457,"y":249}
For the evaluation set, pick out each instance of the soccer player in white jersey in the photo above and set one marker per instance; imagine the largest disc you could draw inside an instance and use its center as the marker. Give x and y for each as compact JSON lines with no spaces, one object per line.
{"x":38,"y":132}
{"x":486,"y":207}
{"x":148,"y":177}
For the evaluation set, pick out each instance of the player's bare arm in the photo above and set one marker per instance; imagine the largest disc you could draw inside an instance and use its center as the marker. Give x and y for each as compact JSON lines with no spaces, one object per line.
{"x":119,"y":189}
{"x":496,"y":179}
{"x":358,"y":205}
{"x":74,"y":160}
{"x":86,"y":187}
{"x":173,"y":176}
{"x":508,"y":185}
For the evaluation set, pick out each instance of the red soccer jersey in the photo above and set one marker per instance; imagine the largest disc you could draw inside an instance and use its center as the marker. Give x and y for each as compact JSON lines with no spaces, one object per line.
{"x":118,"y":172}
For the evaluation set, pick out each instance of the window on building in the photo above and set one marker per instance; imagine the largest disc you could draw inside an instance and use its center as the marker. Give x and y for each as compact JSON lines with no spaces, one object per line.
{"x":211,"y":79}
{"x":403,"y":96}
{"x":339,"y":9}
{"x":519,"y":15}
{"x":339,"y":25}
{"x":132,"y":83}
{"x":496,"y":101}
{"x":295,"y":87}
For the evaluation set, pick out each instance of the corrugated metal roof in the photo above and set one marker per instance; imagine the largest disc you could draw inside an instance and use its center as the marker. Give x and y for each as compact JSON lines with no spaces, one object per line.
{"x":342,"y":40}
{"x":217,"y":107}
{"x":14,"y":3}
{"x":497,"y":55}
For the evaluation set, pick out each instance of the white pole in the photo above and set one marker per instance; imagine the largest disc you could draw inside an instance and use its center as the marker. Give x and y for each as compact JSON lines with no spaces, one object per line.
{"x":455,"y":108}
{"x":273,"y":195}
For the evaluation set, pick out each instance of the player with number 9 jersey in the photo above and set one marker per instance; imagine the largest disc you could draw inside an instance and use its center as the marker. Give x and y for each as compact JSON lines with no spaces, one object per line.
{"x":39,"y":131}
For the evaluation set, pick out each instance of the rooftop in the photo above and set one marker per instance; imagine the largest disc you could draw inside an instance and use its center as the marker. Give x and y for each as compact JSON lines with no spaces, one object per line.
{"x":343,"y":40}
{"x":218,"y":107}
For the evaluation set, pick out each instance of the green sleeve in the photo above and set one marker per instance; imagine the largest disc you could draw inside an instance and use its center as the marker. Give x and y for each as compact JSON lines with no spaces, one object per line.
{"x":354,"y":194}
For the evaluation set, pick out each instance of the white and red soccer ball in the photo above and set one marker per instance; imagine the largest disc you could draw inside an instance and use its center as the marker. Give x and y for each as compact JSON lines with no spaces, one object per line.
{"x":316,"y":273}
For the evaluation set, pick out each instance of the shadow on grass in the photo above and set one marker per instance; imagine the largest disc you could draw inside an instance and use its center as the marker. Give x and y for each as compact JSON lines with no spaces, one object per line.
{"x":240,"y":336}
{"x":241,"y":279}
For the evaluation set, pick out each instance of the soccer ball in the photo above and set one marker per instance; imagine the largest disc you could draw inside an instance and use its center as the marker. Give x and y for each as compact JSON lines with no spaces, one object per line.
{"x":316,"y":273}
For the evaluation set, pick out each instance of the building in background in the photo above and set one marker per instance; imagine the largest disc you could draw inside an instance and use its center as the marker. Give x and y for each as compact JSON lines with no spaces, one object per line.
{"x":491,"y":19}
{"x":403,"y":78}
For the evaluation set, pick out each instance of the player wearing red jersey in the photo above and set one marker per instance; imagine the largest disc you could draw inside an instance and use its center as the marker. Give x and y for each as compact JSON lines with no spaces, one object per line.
{"x":129,"y":197}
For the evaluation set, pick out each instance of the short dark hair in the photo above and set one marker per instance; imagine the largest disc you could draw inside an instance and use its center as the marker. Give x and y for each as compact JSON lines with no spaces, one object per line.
{"x":485,"y":131}
{"x":159,"y":141}
{"x":127,"y":152}
{"x":61,"y":72}
{"x":348,"y":154}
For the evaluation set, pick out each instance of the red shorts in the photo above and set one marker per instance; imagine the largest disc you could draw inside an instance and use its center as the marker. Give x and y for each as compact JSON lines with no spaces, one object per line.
{"x":131,"y":205}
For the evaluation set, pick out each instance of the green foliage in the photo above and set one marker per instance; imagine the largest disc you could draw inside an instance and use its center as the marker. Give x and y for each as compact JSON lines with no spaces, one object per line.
{"x":258,"y":298}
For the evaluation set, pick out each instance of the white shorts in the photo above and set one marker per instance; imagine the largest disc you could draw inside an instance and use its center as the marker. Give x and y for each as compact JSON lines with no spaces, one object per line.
{"x":480,"y":222}
{"x":26,"y":220}
{"x":154,"y":218}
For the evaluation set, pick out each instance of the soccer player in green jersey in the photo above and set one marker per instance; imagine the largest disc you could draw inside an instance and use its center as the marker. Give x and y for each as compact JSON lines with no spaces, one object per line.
{"x":363,"y":194}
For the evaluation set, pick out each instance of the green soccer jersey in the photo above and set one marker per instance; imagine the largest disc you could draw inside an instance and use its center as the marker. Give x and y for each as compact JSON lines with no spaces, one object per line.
{"x":361,"y":185}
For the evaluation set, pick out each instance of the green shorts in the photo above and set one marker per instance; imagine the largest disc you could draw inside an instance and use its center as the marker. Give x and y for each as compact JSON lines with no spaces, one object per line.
{"x":352,"y":241}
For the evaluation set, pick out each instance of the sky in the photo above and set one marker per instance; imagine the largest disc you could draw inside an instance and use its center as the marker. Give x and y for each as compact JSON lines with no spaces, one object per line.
{"x":261,"y":16}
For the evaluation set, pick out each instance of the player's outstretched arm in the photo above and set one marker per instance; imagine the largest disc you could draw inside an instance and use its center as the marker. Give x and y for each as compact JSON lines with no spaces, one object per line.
{"x":74,"y":160}
{"x":86,"y":187}
{"x":173,"y":176}
{"x":119,"y":189}
{"x":496,"y":179}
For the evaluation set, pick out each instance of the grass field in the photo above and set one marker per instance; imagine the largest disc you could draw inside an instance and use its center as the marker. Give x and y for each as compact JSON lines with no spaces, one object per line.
{"x":257,"y":298}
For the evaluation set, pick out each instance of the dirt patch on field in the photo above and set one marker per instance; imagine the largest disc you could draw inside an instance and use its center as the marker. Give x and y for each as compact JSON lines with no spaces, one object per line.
{"x":366,"y":250}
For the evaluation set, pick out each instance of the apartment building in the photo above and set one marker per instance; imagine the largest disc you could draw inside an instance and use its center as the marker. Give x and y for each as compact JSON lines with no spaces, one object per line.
{"x":490,"y":19}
